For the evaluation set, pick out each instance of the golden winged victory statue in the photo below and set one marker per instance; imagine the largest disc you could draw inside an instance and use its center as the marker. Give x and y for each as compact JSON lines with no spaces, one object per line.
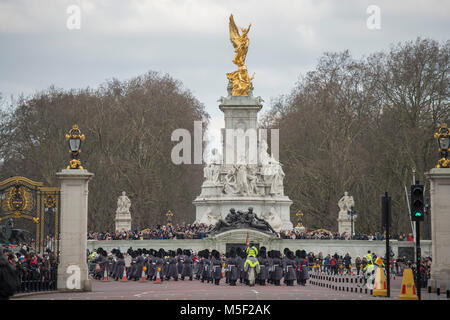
{"x":239,"y":79}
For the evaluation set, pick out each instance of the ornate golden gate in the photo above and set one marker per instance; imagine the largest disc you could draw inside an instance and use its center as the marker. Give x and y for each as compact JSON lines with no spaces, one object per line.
{"x":33,"y":208}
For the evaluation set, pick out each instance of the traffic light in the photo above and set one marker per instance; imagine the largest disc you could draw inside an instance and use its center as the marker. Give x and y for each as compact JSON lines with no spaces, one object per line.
{"x":417,"y":203}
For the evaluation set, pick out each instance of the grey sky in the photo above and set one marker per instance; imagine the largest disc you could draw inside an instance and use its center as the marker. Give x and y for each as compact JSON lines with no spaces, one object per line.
{"x":190,"y":40}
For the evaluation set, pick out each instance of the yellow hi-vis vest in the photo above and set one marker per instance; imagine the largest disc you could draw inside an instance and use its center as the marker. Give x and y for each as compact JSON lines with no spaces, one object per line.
{"x":253,"y":264}
{"x":369,"y":257}
{"x":252,"y":251}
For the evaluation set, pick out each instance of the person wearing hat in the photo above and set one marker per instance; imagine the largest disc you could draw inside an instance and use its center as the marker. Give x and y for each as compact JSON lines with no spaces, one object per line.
{"x":289,"y":266}
{"x":240,"y":264}
{"x":251,"y":266}
{"x":264,"y":265}
{"x":302,"y":267}
{"x":199,"y":265}
{"x":206,"y":273}
{"x":180,"y":261}
{"x":216,"y":267}
{"x":172,"y":270}
{"x":277,"y":267}
{"x":120,"y":265}
{"x":187,"y":265}
{"x":232,"y":267}
{"x":252,"y":251}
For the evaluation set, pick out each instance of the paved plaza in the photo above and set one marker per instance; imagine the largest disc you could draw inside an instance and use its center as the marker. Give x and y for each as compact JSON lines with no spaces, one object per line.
{"x":195,"y":290}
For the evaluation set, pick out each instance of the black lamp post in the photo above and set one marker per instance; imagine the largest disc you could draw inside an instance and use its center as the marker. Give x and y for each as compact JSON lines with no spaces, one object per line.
{"x":443,"y":140}
{"x":75,"y":139}
{"x":351,"y":213}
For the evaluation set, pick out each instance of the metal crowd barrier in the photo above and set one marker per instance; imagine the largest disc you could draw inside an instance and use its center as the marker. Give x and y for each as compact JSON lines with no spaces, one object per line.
{"x":31,"y":281}
{"x":340,"y":282}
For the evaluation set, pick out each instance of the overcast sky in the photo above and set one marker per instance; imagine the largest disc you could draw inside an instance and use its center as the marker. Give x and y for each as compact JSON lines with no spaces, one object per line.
{"x":190,"y":40}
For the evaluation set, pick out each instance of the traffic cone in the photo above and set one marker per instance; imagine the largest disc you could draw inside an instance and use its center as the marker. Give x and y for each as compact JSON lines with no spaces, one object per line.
{"x":158,"y":277}
{"x":379,"y":288}
{"x":143,"y":278}
{"x":105,"y":275}
{"x":124,"y":277}
{"x":408,"y":286}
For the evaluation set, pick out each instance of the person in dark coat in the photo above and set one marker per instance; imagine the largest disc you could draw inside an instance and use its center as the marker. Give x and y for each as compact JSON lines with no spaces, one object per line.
{"x":159,"y":264}
{"x":199,"y":273}
{"x":206,"y":273}
{"x":8,"y":284}
{"x":179,"y":260}
{"x":277,"y":268}
{"x":233,"y":268}
{"x":187,"y":265}
{"x":101,"y":262}
{"x":119,"y":267}
{"x":151,"y":265}
{"x":244,"y":274}
{"x":140,"y":260}
{"x":270,"y":263}
{"x":302,"y":267}
{"x":172,"y":270}
{"x":289,"y":266}
{"x":264,"y":266}
{"x":216,"y":267}
{"x":240,"y":264}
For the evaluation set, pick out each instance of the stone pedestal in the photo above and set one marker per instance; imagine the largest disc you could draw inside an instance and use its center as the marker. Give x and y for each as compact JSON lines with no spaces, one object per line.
{"x":345,"y":224}
{"x":123,"y":222}
{"x":440,"y":226}
{"x":73,"y":269}
{"x":215,"y":202}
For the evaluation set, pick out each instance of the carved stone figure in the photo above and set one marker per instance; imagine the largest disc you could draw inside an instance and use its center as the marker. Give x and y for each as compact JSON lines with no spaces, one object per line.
{"x":123,"y":204}
{"x":240,"y":219}
{"x":344,"y":204}
{"x":272,"y":218}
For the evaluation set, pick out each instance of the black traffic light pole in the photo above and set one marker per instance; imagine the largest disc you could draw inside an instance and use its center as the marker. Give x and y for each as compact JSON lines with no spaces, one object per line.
{"x":418,"y":258}
{"x":417,"y":215}
{"x":386,"y":206}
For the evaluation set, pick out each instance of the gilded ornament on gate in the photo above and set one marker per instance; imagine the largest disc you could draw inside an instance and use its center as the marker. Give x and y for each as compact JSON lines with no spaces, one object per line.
{"x":241,"y":82}
{"x":443,"y":139}
{"x":75,"y":139}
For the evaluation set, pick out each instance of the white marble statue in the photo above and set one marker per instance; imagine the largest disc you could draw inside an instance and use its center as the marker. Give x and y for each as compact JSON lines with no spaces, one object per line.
{"x":208,"y":218}
{"x":344,"y":204}
{"x":211,"y":171}
{"x":276,"y":186}
{"x":264,"y":157}
{"x":123,"y":216}
{"x":273,"y":219}
{"x":123,"y":204}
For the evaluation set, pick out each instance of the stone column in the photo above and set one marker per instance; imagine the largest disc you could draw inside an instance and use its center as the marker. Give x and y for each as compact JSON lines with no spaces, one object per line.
{"x":440,"y":226}
{"x":73,"y":269}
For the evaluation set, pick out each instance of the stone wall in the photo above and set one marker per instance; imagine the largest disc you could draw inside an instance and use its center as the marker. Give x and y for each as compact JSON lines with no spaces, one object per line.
{"x":353,"y":247}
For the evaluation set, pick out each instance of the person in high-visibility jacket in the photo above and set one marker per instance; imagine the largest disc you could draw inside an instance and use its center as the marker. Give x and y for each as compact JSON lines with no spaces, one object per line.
{"x":252,"y":262}
{"x":369,"y":257}
{"x":252,"y":251}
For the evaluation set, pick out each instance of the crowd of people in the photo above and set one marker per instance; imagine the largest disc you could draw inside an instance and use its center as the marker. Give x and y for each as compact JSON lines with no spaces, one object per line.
{"x":327,"y":235}
{"x":158,"y":232}
{"x":200,"y":231}
{"x":30,"y":271}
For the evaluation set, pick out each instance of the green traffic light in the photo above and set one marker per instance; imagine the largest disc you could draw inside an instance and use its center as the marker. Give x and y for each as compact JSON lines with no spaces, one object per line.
{"x":418,"y":214}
